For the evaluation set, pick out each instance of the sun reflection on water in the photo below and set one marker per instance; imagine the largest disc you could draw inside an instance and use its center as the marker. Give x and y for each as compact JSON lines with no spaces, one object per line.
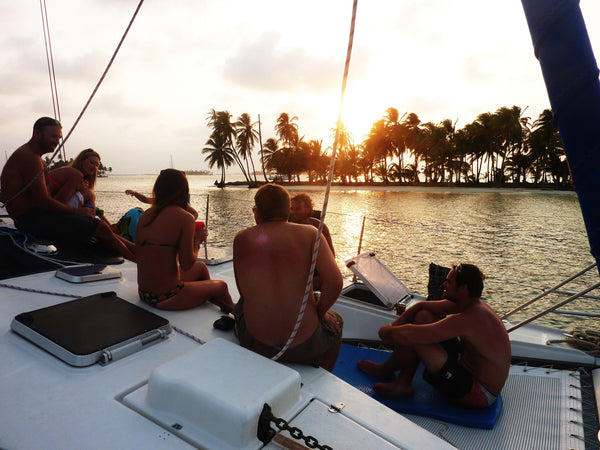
{"x":523,"y":241}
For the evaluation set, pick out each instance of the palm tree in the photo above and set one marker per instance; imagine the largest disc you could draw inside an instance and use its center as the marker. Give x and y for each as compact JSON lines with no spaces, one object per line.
{"x":345,"y":139}
{"x":395,"y":172}
{"x":510,"y":128}
{"x":410,"y":131}
{"x":268,"y":152}
{"x":411,"y":173}
{"x":376,"y":143}
{"x":486,"y":135}
{"x":347,"y":166}
{"x":224,"y":131}
{"x":246,"y":137}
{"x":317,"y":162}
{"x":219,"y":154}
{"x":287,"y":130}
{"x":262,"y":163}
{"x":382,"y":172}
{"x":396,"y":137}
{"x":518,"y":165}
{"x":286,"y":161}
{"x":545,"y":145}
{"x":472,"y":142}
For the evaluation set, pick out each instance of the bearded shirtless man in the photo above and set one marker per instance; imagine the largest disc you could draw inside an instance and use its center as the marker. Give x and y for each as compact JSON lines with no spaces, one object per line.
{"x":32,"y":208}
{"x":461,"y":341}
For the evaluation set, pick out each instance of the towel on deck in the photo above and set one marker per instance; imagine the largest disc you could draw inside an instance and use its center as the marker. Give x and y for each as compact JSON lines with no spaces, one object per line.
{"x":426,"y":401}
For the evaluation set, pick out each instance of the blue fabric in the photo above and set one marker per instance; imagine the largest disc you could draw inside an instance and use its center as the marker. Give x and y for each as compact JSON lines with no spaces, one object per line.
{"x":425,"y":402}
{"x":570,"y":71}
{"x":127,"y":224}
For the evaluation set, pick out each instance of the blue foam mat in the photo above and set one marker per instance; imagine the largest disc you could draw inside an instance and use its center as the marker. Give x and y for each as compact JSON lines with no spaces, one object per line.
{"x":425,"y":402}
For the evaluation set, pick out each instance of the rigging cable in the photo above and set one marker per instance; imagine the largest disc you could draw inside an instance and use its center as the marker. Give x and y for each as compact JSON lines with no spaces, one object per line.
{"x":60,"y":147}
{"x":50,"y":63}
{"x":311,"y":271}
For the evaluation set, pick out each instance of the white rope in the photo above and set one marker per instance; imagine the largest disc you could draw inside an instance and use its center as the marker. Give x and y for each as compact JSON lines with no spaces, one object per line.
{"x":313,"y":263}
{"x":189,"y":335}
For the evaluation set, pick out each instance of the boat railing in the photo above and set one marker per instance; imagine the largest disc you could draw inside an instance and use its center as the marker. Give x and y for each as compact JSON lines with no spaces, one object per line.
{"x":554,"y":308}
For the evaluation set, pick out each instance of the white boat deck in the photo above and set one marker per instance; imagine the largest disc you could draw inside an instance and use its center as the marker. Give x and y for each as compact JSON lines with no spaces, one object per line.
{"x":49,"y":404}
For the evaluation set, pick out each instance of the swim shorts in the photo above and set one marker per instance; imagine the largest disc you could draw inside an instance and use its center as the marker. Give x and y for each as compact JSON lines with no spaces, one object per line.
{"x":56,"y":227}
{"x":310,"y":351}
{"x":155,"y":299}
{"x":456,"y":382}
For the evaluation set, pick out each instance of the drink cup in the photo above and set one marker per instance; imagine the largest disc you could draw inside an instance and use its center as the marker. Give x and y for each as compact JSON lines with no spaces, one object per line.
{"x":199,"y":225}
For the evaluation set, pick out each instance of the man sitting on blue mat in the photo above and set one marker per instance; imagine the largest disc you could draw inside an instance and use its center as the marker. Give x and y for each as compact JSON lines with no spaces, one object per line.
{"x":460,"y":340}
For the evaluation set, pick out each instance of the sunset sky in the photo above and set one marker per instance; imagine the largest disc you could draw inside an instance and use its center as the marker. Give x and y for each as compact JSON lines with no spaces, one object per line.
{"x":439,"y":59}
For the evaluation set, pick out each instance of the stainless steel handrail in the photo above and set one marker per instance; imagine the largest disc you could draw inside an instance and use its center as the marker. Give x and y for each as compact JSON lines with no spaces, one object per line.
{"x":554,"y":290}
{"x":552,"y":308}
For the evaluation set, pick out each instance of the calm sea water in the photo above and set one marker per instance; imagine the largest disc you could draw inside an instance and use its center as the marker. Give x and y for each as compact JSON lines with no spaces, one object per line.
{"x":524,"y":241}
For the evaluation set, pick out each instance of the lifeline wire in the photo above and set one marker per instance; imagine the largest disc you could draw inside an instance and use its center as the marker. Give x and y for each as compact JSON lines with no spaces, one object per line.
{"x":313,"y":263}
{"x":59,"y":148}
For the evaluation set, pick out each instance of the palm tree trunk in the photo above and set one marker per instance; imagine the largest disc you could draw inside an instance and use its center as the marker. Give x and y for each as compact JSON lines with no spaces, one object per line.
{"x":240,"y":163}
{"x":262,"y":161}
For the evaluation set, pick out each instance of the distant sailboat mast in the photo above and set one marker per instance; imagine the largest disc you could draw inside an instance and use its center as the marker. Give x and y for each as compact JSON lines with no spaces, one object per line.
{"x":171,"y":161}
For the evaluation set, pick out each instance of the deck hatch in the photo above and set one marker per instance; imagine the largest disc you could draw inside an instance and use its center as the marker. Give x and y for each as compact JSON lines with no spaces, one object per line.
{"x":98,"y":328}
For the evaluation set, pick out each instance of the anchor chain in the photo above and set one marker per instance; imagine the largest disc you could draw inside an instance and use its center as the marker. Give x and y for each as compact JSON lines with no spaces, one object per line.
{"x":266,"y":433}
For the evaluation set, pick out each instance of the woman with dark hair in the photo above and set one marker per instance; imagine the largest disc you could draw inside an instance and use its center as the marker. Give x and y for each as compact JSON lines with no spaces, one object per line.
{"x":74,"y":184}
{"x":169,"y":274}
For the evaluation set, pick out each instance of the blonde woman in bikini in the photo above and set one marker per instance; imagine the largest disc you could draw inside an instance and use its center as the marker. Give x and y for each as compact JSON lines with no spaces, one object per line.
{"x":169,"y":274}
{"x":74,"y":184}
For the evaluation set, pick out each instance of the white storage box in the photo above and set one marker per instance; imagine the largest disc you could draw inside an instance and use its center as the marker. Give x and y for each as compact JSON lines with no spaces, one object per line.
{"x":213,"y":396}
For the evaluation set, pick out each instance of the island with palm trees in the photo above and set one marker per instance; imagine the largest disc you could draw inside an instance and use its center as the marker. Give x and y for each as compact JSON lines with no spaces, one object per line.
{"x":500,"y":149}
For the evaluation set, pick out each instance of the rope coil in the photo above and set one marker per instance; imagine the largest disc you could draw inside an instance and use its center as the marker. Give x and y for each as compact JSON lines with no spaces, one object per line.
{"x":586,"y":340}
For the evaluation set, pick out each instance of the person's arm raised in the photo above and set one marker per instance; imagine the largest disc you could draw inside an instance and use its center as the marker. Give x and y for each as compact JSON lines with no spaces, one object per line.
{"x":141,"y":197}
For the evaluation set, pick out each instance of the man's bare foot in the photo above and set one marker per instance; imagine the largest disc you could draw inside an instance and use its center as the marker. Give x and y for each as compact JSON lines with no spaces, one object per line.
{"x":396,"y":388}
{"x":375,"y":369}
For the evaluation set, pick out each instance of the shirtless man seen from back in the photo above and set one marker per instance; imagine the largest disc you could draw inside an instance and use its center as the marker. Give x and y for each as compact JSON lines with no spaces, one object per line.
{"x":271,"y":262}
{"x":461,"y":341}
